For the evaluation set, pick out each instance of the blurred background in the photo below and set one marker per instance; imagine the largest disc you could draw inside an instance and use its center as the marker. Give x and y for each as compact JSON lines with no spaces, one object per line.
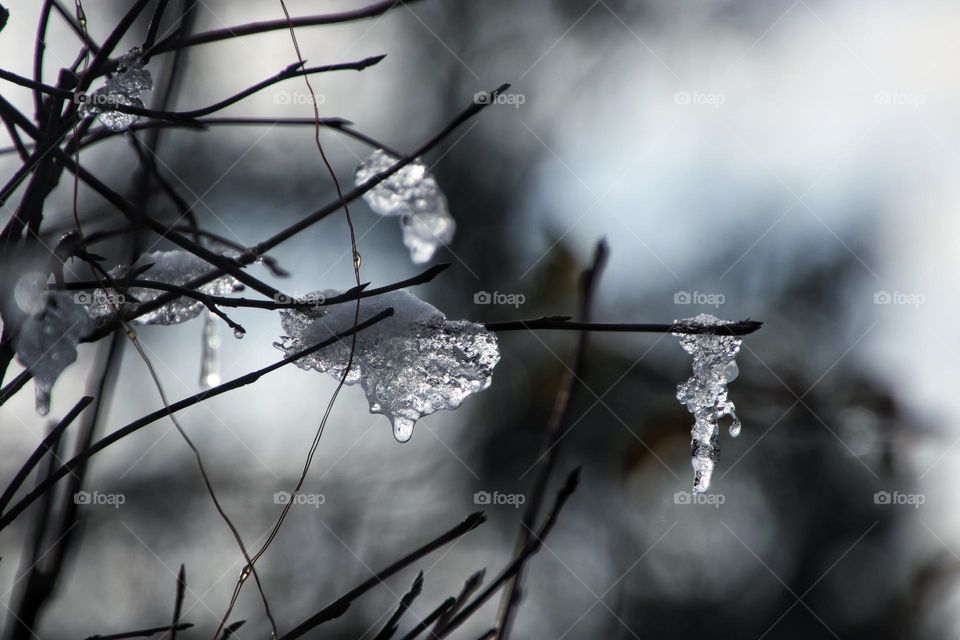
{"x":791,"y":162}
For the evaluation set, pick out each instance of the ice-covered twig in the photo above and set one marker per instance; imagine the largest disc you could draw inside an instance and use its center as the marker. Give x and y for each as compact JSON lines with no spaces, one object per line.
{"x":563,"y":323}
{"x":10,"y":515}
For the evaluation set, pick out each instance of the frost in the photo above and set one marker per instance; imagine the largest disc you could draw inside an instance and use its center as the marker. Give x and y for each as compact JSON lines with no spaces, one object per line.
{"x":124,"y":88}
{"x":705,"y":393}
{"x":49,"y":325}
{"x":411,"y":194}
{"x":411,"y":364}
{"x":170,"y":267}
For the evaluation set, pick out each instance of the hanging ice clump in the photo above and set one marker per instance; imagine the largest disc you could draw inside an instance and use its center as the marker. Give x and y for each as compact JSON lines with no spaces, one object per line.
{"x":412,"y":194}
{"x":47,"y":326}
{"x":705,"y":393}
{"x":124,"y":88}
{"x":170,"y":267}
{"x":410,"y":365}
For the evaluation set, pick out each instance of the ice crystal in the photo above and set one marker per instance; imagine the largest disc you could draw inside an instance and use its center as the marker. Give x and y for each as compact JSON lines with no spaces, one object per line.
{"x":170,"y":267}
{"x":410,"y":365}
{"x":412,"y":195}
{"x":124,"y":88}
{"x":705,"y":393}
{"x":47,"y":326}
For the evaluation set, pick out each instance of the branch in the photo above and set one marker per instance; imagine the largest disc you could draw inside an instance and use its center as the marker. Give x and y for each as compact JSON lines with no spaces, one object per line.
{"x":531,"y":549}
{"x":171,"y":43}
{"x":142,"y":633}
{"x":562,"y":323}
{"x":341,"y":604}
{"x":138,"y":424}
{"x":45,"y":446}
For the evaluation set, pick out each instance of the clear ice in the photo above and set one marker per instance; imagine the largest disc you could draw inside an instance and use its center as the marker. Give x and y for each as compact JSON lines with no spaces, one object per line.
{"x":210,"y":352}
{"x":124,"y":88}
{"x":705,"y":393}
{"x":411,"y":364}
{"x":170,"y":267}
{"x":412,"y":195}
{"x":45,"y":341}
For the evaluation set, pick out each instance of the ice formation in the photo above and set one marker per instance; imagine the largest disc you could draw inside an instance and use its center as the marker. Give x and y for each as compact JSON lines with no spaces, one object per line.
{"x":124,"y":88}
{"x":411,"y":364}
{"x":170,"y":267}
{"x":705,"y":393}
{"x":412,"y":195}
{"x":49,"y":325}
{"x":210,"y":352}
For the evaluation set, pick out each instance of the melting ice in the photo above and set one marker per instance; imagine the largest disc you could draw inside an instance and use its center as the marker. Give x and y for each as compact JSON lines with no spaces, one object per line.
{"x":171,"y":267}
{"x":410,"y":365}
{"x":49,"y":325}
{"x":705,"y":393}
{"x":411,"y":194}
{"x":124,"y":88}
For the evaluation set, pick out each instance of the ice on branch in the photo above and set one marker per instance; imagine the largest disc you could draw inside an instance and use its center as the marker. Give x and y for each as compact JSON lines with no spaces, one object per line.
{"x":412,"y":195}
{"x":411,"y":364}
{"x":124,"y":88}
{"x":169,"y":267}
{"x":705,"y":393}
{"x":46,"y":327}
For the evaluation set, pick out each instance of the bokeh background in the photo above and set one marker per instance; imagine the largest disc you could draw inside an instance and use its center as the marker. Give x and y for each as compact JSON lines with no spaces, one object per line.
{"x":792,"y":162}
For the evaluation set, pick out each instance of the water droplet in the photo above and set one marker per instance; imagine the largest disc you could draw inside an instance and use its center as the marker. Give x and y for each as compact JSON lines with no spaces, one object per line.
{"x":43,"y":398}
{"x":238,"y":333}
{"x":402,"y":429}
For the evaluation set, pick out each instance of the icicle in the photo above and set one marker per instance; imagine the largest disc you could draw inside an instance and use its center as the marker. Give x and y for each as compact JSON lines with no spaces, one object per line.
{"x":410,"y":365}
{"x":412,"y":195}
{"x":210,"y":353}
{"x":705,"y":393}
